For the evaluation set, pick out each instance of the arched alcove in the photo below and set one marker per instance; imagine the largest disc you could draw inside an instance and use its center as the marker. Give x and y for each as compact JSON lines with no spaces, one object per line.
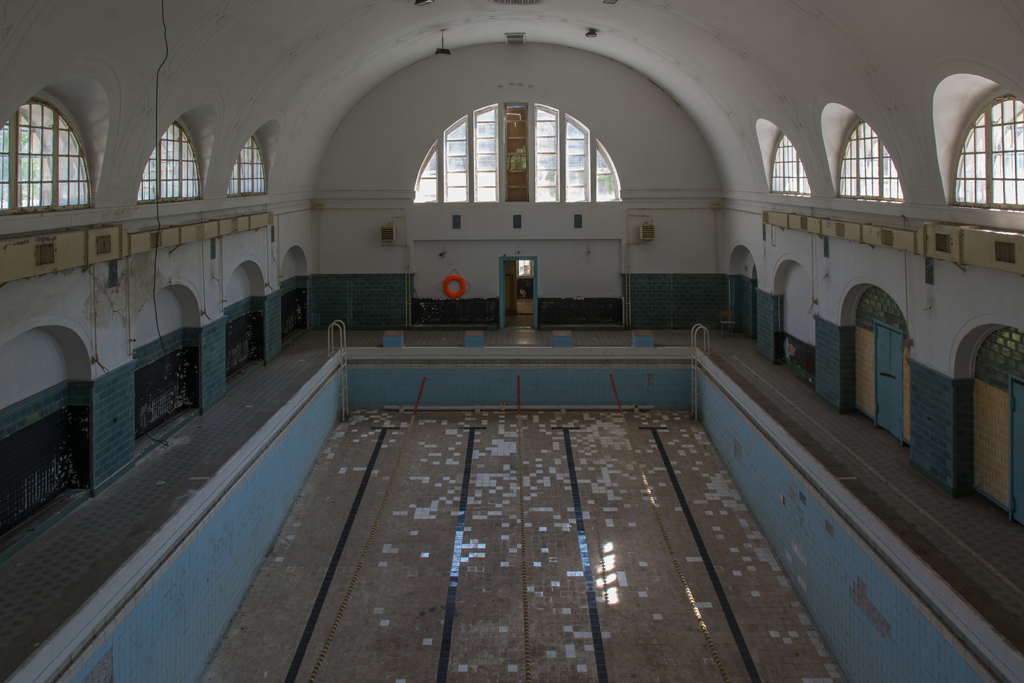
{"x":792,"y":281}
{"x":176,"y":307}
{"x":245,"y":281}
{"x":955,"y":105}
{"x":294,"y":263}
{"x":38,"y":359}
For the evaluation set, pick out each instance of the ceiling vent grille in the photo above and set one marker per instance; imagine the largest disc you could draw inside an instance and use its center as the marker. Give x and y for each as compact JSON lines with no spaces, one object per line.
{"x":515,"y":38}
{"x":387,"y":233}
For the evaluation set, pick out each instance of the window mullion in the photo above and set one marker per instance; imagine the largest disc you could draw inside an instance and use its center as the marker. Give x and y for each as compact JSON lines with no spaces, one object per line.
{"x":989,"y":184}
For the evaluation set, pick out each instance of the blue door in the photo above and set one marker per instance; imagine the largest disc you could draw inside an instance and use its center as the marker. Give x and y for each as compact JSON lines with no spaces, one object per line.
{"x":889,"y":379}
{"x":1017,"y":449}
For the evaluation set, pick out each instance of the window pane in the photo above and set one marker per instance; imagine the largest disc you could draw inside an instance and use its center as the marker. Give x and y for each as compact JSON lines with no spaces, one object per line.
{"x":867,"y":170}
{"x":247,"y":174}
{"x":788,"y":175}
{"x":456,"y":162}
{"x":546,"y":154}
{"x":426,"y":184}
{"x":607,"y":184}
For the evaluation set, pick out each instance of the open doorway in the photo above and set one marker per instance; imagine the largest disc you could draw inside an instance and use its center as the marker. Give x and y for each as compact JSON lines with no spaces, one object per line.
{"x":517,"y":304}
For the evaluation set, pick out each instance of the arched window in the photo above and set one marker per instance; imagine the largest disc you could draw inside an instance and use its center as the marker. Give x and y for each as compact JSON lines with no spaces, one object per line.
{"x":607,"y":177}
{"x":456,"y":166}
{"x":788,"y":175}
{"x":991,"y":168}
{"x":426,"y":181}
{"x":179,"y":174}
{"x":588,"y":175}
{"x":42,"y":163}
{"x":485,"y":151}
{"x":247,"y":176}
{"x":545,"y":150}
{"x":577,"y":161}
{"x":868,"y":171}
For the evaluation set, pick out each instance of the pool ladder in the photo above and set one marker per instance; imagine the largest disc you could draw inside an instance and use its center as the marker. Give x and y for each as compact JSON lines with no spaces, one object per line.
{"x":342,"y":346}
{"x":698,"y":333}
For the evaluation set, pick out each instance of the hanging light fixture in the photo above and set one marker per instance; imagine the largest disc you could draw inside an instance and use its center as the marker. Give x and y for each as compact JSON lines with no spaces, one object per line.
{"x":421,"y":3}
{"x":441,"y":50}
{"x":592,"y":33}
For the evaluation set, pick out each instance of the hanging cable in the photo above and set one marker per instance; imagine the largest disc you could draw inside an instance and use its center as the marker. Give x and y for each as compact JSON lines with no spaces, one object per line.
{"x":158,"y":155}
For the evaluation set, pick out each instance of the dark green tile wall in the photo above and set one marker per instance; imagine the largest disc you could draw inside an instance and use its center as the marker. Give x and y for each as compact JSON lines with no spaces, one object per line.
{"x":671,"y":301}
{"x":147,"y":353}
{"x":32,"y":409}
{"x":743,"y":302}
{"x":942,"y":429}
{"x":835,"y":378}
{"x":1000,"y":355}
{"x":372,"y":300}
{"x":769,"y":324}
{"x":112,"y":422}
{"x":212,"y":361}
{"x":272,"y":323}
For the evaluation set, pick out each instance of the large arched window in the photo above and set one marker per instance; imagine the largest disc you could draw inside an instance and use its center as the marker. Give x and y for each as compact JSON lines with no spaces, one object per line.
{"x":42,"y":163}
{"x":247,"y":176}
{"x":991,"y":168}
{"x":788,"y":175}
{"x":466,"y":168}
{"x":867,"y":171}
{"x":179,"y":174}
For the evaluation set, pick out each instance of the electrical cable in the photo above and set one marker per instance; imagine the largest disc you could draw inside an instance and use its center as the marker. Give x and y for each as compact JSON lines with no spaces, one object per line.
{"x":157,"y":153}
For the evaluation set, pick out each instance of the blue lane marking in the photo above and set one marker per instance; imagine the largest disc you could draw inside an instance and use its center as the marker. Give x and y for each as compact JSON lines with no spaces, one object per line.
{"x":325,"y":585}
{"x":737,"y":634}
{"x":588,"y":576}
{"x":453,"y":574}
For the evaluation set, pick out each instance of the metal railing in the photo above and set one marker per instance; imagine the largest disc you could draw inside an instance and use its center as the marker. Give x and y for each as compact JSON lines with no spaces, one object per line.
{"x":342,"y":346}
{"x":695,"y":336}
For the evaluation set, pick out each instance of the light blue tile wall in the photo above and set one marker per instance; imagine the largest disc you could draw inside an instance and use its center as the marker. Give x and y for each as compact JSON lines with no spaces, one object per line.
{"x":176,"y":626}
{"x":492,"y":386}
{"x":873,"y":629}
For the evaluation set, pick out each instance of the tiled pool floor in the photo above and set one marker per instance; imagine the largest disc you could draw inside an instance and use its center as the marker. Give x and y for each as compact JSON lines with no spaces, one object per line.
{"x":639,"y":624}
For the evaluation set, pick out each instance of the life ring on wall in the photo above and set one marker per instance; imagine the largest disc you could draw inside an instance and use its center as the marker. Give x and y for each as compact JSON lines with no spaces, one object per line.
{"x":457,"y":280}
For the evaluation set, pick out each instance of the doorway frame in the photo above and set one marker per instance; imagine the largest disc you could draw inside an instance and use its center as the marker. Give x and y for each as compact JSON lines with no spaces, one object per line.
{"x":899,"y":332}
{"x":501,"y":287}
{"x":1013,"y":379}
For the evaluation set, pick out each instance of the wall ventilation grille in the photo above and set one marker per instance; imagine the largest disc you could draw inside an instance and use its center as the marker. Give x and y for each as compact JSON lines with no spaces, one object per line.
{"x":387,"y":233}
{"x":1005,"y":252}
{"x":44,"y":254}
{"x":103,"y":244}
{"x":515,"y":38}
{"x":840,"y":230}
{"x":887,"y":238}
{"x":646,"y":233}
{"x":943,"y":243}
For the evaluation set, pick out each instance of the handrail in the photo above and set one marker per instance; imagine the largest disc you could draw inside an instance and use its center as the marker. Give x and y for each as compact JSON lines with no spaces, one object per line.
{"x":341,"y":346}
{"x":695,"y":333}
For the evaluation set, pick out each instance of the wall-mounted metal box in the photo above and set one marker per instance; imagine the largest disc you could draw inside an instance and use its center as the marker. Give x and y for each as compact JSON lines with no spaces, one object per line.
{"x":942,"y":242}
{"x":103,"y":244}
{"x":993,"y":249}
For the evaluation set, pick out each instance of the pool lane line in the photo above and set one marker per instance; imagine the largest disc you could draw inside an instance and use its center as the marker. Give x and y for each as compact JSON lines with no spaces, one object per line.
{"x":332,"y":567}
{"x":668,"y":544}
{"x":588,"y":575}
{"x":453,"y":574}
{"x":527,"y":674}
{"x":366,"y":548}
{"x":730,"y":617}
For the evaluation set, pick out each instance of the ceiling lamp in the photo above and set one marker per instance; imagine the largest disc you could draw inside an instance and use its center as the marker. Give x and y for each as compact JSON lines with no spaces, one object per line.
{"x":421,"y":3}
{"x":441,"y":50}
{"x":592,"y":33}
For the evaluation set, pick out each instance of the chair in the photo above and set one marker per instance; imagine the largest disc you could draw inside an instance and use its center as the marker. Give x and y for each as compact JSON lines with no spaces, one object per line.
{"x":725,"y":319}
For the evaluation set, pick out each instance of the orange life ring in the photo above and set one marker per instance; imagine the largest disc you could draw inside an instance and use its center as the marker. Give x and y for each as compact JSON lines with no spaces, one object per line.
{"x":462,"y":286}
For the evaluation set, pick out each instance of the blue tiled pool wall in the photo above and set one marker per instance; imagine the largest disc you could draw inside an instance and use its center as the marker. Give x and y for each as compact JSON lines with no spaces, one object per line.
{"x":872,"y":627}
{"x":540,"y":386}
{"x":171,"y":632}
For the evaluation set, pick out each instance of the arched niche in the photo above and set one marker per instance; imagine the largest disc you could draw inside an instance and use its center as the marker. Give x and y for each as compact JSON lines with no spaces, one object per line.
{"x":294,"y":263}
{"x":741,"y":262}
{"x":40,"y":358}
{"x":837,"y":121}
{"x":267,"y":137}
{"x":245,"y":281}
{"x":792,"y":281}
{"x":768,"y":135}
{"x":176,"y":307}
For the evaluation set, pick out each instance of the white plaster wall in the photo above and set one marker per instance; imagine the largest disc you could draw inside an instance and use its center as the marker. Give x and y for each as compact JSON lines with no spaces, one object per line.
{"x":31,"y":362}
{"x":938,"y":316}
{"x":565,"y":268}
{"x":796,"y":286}
{"x":169,"y":312}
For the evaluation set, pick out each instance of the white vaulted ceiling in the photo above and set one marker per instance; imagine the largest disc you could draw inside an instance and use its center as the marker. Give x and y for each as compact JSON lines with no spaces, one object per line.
{"x":295,"y":67}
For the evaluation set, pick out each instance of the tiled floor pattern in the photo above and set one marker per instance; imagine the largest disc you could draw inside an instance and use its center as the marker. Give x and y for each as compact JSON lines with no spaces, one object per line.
{"x":968,"y":541}
{"x":48,"y":581}
{"x":391,"y":629}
